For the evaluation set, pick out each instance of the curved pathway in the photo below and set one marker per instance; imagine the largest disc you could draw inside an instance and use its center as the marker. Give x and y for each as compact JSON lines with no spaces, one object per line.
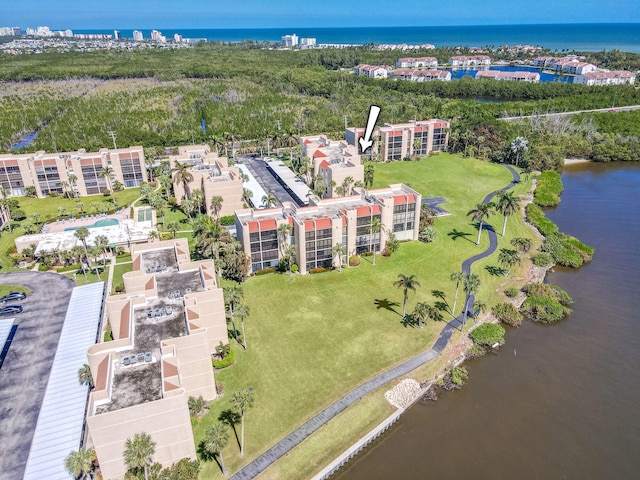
{"x":254,"y":468}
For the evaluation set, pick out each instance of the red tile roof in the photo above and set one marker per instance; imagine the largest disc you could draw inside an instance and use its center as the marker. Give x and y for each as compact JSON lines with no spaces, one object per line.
{"x":319,"y":154}
{"x":324,"y":164}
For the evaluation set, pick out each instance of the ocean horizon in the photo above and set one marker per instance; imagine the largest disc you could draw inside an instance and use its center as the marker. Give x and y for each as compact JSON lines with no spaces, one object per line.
{"x":579,"y":37}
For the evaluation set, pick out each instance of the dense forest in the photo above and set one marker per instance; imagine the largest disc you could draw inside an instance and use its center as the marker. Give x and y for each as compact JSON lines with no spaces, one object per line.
{"x":252,"y":98}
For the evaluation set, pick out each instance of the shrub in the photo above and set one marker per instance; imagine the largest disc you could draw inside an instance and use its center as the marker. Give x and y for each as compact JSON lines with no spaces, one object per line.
{"x":548,"y":190}
{"x":106,"y":192}
{"x":295,"y":268}
{"x":228,"y":220}
{"x":319,"y":270}
{"x":17,"y":215}
{"x":454,"y":378}
{"x":119,"y":288}
{"x":196,"y":405}
{"x":475,"y":351}
{"x":507,"y":313}
{"x":542,"y":259}
{"x":225,"y":362}
{"x":153,"y":184}
{"x":43,"y":268}
{"x":511,"y":292}
{"x":264,"y":271}
{"x":546,"y":290}
{"x":53,"y":193}
{"x":386,"y":252}
{"x":367,"y":254}
{"x":354,"y":261}
{"x":488,"y":335}
{"x":427,"y":234}
{"x":544,"y":309}
{"x":69,"y":268}
{"x":536,"y":217}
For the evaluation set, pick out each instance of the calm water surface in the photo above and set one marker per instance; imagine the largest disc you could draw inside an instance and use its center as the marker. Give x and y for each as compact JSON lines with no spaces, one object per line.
{"x":557,"y":401}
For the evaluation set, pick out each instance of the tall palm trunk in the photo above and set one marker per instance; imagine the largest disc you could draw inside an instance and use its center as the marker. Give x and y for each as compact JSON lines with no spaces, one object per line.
{"x":504,"y":225}
{"x":404,"y":303}
{"x":455,"y":299}
{"x":479,"y":232}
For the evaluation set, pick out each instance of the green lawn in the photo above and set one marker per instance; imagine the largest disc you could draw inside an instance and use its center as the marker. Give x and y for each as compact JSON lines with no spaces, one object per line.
{"x":119,"y":270}
{"x":5,"y":289}
{"x":126,"y":258}
{"x":314,"y":337}
{"x":91,"y":276}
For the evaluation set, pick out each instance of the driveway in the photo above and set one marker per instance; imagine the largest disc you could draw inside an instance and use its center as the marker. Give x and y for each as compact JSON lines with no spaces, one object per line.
{"x":25,"y":371}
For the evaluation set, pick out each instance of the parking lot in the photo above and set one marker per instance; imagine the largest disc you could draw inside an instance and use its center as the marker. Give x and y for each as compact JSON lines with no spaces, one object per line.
{"x":25,"y":371}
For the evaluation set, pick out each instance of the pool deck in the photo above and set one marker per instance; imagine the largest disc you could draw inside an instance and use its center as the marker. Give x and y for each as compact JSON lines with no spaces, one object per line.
{"x":86,"y":221}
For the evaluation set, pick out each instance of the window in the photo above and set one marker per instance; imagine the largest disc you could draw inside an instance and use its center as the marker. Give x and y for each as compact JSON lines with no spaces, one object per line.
{"x":264,"y":249}
{"x":319,"y":248}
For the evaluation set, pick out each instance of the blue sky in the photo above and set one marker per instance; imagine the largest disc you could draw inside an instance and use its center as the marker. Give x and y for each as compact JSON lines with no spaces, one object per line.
{"x":147,"y":14}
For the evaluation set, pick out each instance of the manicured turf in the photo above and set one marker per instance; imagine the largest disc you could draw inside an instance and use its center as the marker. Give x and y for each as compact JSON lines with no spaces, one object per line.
{"x":5,"y":289}
{"x":118,"y":271}
{"x":313,"y":338}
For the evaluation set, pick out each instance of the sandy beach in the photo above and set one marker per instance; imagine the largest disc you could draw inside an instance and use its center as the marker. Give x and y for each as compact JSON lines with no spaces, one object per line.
{"x":573,"y":161}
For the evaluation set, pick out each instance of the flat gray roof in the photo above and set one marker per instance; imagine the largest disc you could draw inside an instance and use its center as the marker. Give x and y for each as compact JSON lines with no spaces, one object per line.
{"x":62,"y":414}
{"x":257,"y":192}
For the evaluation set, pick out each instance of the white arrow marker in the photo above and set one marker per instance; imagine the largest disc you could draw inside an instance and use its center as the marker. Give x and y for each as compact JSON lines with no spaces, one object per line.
{"x":366,"y":142}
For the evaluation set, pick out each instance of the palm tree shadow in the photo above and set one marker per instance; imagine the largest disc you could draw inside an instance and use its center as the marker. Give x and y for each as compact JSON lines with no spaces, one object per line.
{"x":409,"y":321}
{"x":386,"y":304}
{"x":496,"y":271}
{"x":231,"y":418}
{"x":205,"y":455}
{"x":456,"y":234}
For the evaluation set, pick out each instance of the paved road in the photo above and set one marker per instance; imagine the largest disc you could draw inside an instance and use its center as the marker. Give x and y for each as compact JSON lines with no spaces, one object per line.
{"x":280,"y":449}
{"x":562,"y":114}
{"x":267,"y":181}
{"x":25,"y":371}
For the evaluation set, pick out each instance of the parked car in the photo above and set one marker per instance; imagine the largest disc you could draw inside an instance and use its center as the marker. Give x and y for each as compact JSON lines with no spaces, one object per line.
{"x":10,"y":310}
{"x":12,"y":296}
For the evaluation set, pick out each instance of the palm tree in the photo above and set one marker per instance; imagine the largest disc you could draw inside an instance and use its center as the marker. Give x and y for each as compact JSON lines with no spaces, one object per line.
{"x":471,"y":286}
{"x":242,"y":400}
{"x":423,"y":311}
{"x":84,"y":376}
{"x":284,"y":231}
{"x":138,"y":451}
{"x":457,"y":277}
{"x":406,"y":283}
{"x":339,"y":249}
{"x":509,"y":258}
{"x":182,"y":175}
{"x":482,"y":211}
{"x":269,"y":200}
{"x":519,"y":146}
{"x":173,"y":227}
{"x":95,"y":206}
{"x":374,"y":228}
{"x":369,"y":170}
{"x":242,"y":312}
{"x":232,"y":296}
{"x":216,"y":205}
{"x":215,"y":439}
{"x":102,"y":241}
{"x":417,"y":143}
{"x":80,"y":463}
{"x":522,"y":244}
{"x":72,"y":183}
{"x":246,"y":196}
{"x":507,"y":205}
{"x":6,"y":205}
{"x":81,"y":234}
{"x":107,"y":173}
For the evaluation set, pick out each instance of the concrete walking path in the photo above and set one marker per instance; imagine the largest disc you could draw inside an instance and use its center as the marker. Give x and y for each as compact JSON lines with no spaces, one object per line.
{"x":257,"y":466}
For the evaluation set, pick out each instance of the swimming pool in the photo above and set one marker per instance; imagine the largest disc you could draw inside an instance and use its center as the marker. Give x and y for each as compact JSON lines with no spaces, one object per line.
{"x":103,"y":222}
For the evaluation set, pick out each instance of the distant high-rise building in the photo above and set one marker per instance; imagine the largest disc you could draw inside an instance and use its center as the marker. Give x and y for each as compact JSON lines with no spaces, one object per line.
{"x":10,"y":31}
{"x":137,"y":36}
{"x":157,"y":36}
{"x":307,"y":42}
{"x":177,"y":38}
{"x":116,"y":35}
{"x":290,"y":40}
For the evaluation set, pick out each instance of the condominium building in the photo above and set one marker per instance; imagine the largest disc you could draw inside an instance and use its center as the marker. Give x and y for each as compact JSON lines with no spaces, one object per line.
{"x":615,"y":77}
{"x":418,"y":62}
{"x":137,"y":36}
{"x":10,"y":31}
{"x":470,"y":60}
{"x":78,"y":171}
{"x":544,"y":61}
{"x":529,"y":77}
{"x":156,"y":36}
{"x":212,"y":175}
{"x":337,"y":162}
{"x":165,"y":328}
{"x":290,"y":40}
{"x":422,"y":75}
{"x":403,"y":140}
{"x":372,"y":71}
{"x":308,"y":42}
{"x":317,"y":228}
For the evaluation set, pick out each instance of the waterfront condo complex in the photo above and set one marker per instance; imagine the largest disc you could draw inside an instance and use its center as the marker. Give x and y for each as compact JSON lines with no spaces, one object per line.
{"x":82,"y":173}
{"x":402,"y":140}
{"x":361,"y":223}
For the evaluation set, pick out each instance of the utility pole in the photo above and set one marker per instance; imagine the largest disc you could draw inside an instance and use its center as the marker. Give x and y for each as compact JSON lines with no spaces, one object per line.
{"x":278,"y":123}
{"x":112,"y":134}
{"x":345,"y":121}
